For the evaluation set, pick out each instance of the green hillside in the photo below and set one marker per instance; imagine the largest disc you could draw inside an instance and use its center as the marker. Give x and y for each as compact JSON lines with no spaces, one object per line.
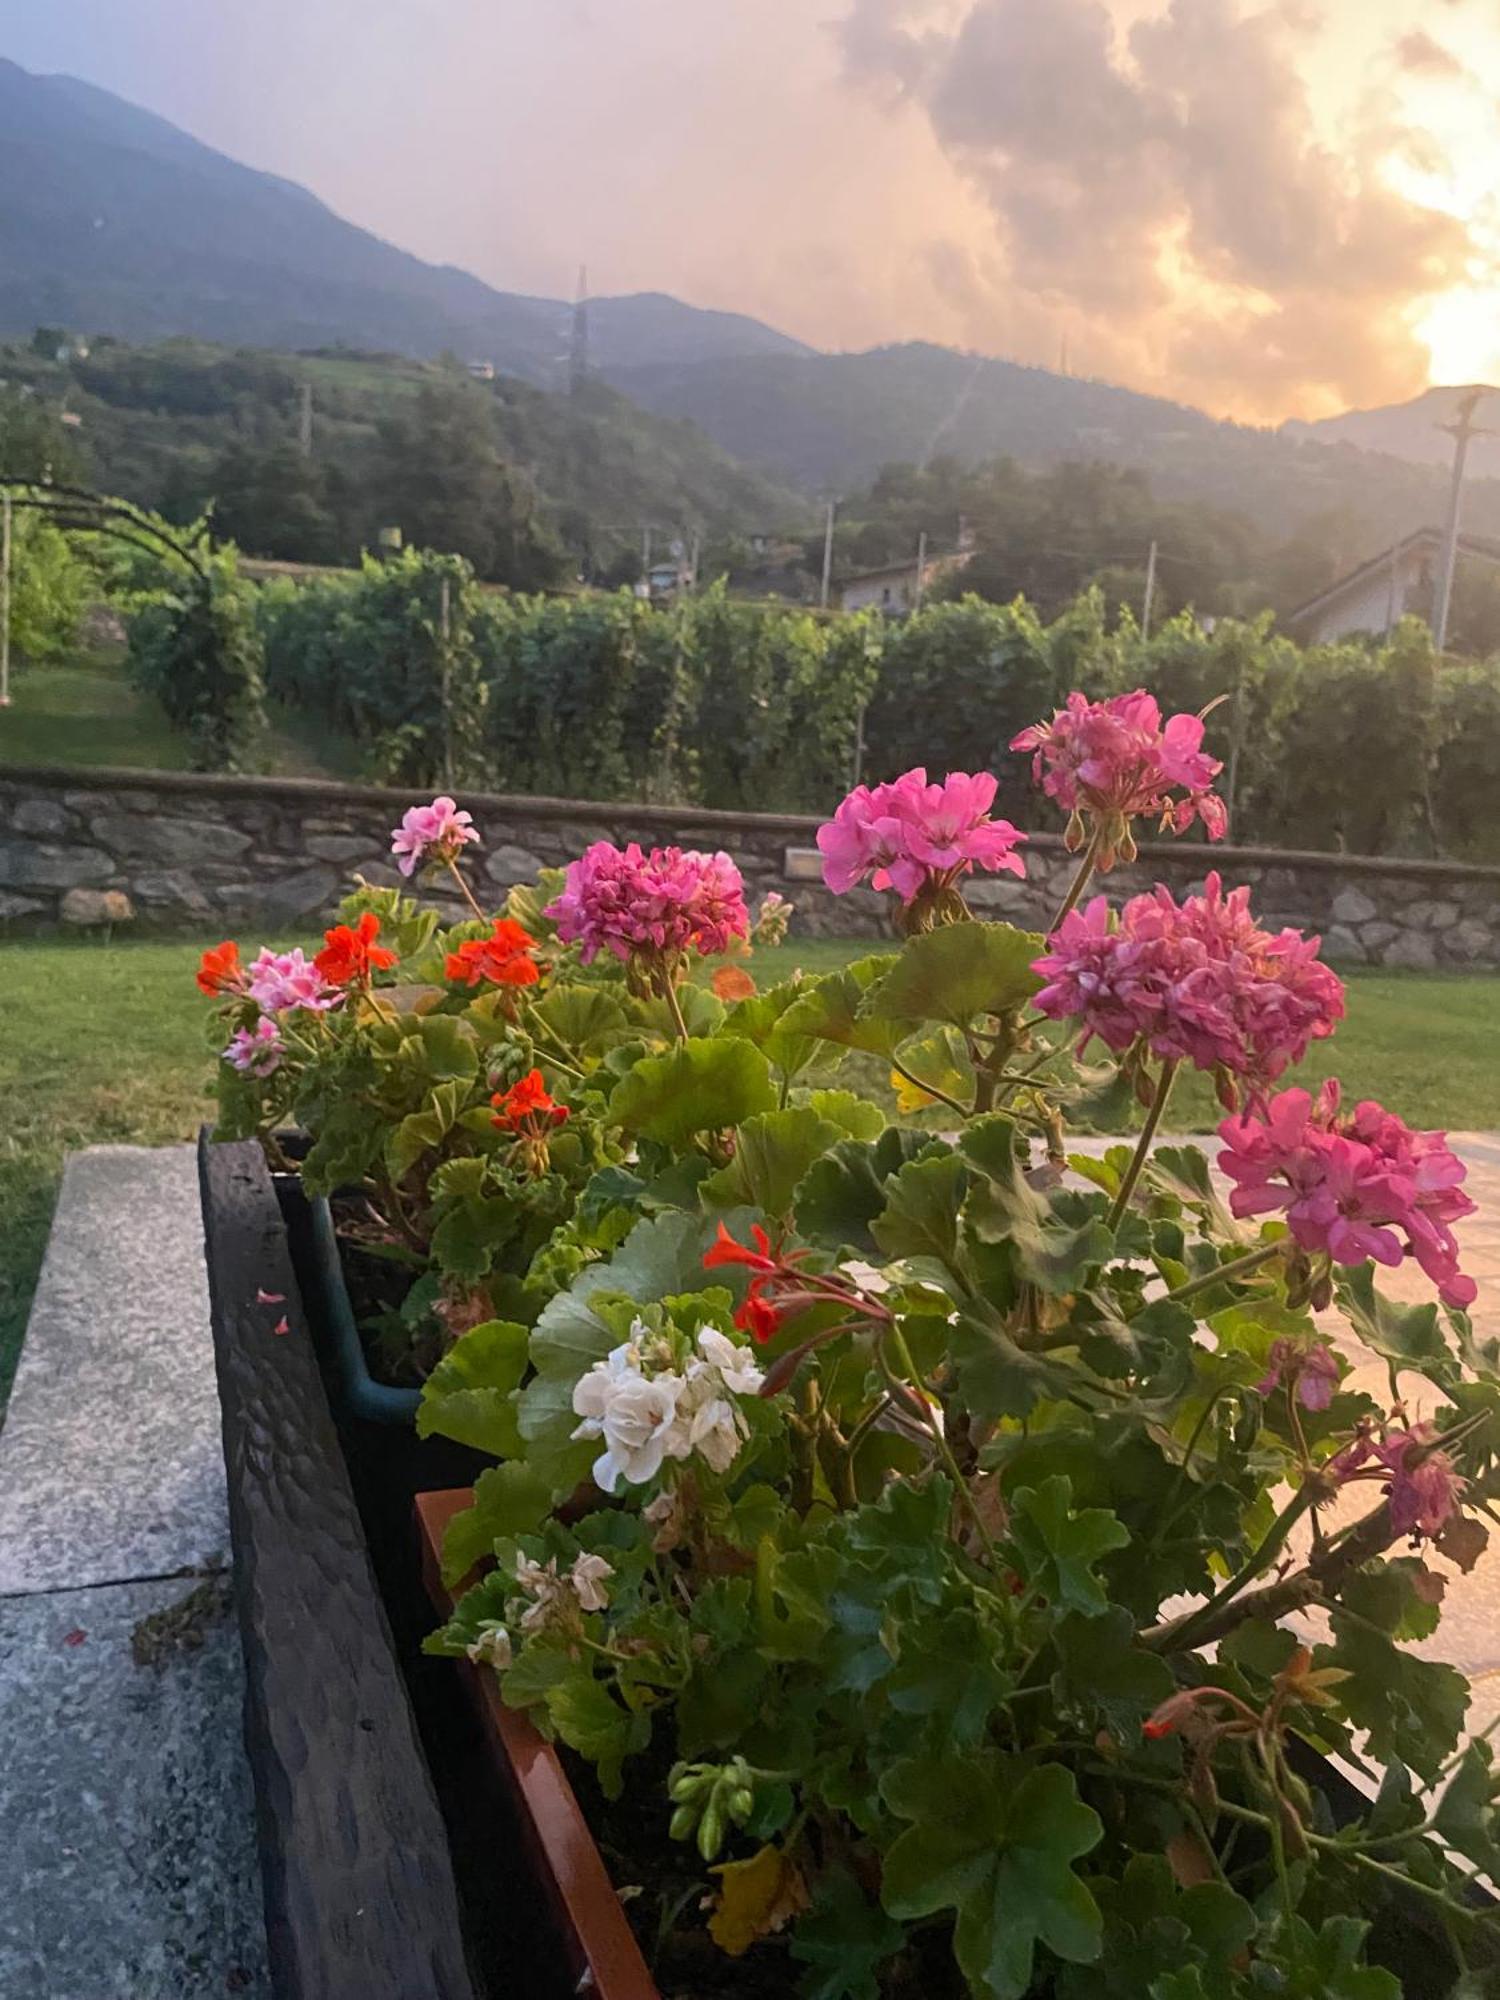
{"x":542,"y":483}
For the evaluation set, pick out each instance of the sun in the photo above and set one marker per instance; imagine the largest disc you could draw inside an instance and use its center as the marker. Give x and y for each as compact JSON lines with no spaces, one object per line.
{"x":1461,"y":332}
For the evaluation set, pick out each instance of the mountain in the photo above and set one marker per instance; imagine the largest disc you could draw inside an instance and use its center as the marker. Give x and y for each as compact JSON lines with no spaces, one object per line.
{"x":114,"y":221}
{"x":830,"y":421}
{"x":1411,"y":430}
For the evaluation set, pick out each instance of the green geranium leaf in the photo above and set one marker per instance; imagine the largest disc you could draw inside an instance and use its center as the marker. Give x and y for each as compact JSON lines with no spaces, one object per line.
{"x":1002,"y":1207}
{"x":855,"y":1116}
{"x":844,"y":1940}
{"x":994,"y":1841}
{"x":1467,"y":1817}
{"x":1106,"y":1674}
{"x":425,"y":1129}
{"x":1183,"y":1173}
{"x":772,"y":1152}
{"x":1058,"y":1548}
{"x":589,"y":1720}
{"x":920,"y":1217}
{"x":998,"y":1377}
{"x":1406,"y":1336}
{"x":1324,"y":1964}
{"x":697,"y":1086}
{"x":1412,"y":1709}
{"x":473,"y":1233}
{"x":588,"y":1019}
{"x":845,"y":1190}
{"x":469,"y":1395}
{"x":829,"y":1009}
{"x":509,"y":1500}
{"x":760,"y":1019}
{"x":959,"y":971}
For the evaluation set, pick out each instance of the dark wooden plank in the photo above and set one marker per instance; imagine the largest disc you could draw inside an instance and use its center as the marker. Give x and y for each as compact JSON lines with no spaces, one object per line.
{"x":359,"y":1895}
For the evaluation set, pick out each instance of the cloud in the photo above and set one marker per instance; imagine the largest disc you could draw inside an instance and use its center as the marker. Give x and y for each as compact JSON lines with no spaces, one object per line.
{"x":1419,"y":53}
{"x":1168,"y":192}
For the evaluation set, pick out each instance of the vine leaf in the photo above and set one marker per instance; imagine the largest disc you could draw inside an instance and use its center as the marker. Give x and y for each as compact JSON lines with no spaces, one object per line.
{"x":995,"y":1842}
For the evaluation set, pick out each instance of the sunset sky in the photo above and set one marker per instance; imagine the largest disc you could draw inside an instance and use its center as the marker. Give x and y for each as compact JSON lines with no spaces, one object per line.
{"x":1266,"y":210}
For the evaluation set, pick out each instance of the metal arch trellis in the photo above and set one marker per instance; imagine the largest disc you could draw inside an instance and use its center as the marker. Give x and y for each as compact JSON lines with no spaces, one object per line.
{"x":77,"y":507}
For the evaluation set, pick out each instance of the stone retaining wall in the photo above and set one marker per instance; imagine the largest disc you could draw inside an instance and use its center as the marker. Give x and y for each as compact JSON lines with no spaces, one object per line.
{"x":183,"y":851}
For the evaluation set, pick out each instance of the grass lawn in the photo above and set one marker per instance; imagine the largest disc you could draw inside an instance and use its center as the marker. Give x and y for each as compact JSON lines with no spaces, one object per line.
{"x":107,"y":1042}
{"x":90,"y":712}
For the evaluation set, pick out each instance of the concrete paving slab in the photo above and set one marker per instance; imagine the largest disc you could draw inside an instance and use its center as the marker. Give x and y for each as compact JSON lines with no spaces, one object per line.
{"x":111,"y":1465}
{"x":127,"y":1867}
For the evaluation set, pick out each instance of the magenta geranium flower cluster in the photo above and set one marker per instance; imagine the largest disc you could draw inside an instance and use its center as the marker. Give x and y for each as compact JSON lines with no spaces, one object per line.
{"x":912,"y":836}
{"x":1352,"y":1186}
{"x":1108,"y":762}
{"x":1196,"y":981}
{"x":621,"y":900}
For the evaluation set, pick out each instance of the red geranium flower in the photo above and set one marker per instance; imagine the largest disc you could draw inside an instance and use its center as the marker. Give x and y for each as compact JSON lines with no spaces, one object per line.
{"x":725,"y":1250}
{"x":503,"y":957}
{"x":350,"y":955}
{"x":219,"y":970}
{"x":757,"y":1316}
{"x":527,"y":1108}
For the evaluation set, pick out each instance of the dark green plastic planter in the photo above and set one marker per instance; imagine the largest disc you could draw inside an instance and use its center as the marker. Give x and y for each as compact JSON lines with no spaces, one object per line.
{"x":355,"y":1388}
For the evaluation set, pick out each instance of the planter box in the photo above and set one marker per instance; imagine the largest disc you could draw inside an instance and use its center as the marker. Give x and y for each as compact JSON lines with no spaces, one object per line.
{"x":603,"y":1956}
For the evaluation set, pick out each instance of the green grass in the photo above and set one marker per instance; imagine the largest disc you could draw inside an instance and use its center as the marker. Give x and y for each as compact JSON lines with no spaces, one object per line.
{"x":86,"y":713}
{"x":107,"y":1042}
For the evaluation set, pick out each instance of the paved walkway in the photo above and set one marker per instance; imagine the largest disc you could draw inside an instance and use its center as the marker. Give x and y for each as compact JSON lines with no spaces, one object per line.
{"x":127,"y":1865}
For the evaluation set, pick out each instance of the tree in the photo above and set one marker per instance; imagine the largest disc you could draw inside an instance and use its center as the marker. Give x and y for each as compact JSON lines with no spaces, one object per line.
{"x":50,"y":589}
{"x":440,"y":476}
{"x":274,"y":503}
{"x":33,"y":442}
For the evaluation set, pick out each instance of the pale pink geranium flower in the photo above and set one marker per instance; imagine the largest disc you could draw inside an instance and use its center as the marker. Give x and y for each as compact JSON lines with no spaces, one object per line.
{"x":277,"y":980}
{"x":1108,"y":762}
{"x":1353,"y":1188}
{"x":437,"y":833}
{"x":915,"y":837}
{"x":1306,"y":1367}
{"x":1195,"y":982}
{"x":256,"y":1051}
{"x":656,"y":906}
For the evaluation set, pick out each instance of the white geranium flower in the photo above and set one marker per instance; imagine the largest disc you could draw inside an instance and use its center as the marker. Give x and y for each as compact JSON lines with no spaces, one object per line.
{"x":546,"y":1588}
{"x":868,"y":1277}
{"x":734,"y":1364}
{"x":492,"y":1647}
{"x":588,"y":1577}
{"x":633,"y":1414}
{"x":715,"y":1432}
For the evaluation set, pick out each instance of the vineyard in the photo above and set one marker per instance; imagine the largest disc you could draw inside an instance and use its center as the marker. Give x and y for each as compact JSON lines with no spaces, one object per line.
{"x":428,"y":679}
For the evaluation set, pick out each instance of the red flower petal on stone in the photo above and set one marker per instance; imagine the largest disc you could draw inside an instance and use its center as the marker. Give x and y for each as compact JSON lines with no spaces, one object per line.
{"x":281,"y":1325}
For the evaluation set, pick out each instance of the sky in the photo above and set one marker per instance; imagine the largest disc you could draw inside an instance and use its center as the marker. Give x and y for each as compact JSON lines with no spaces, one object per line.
{"x":1265,"y":208}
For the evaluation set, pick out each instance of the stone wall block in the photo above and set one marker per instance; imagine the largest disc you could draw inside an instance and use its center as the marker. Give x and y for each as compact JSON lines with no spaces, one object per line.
{"x":43,"y":817}
{"x":168,"y":839}
{"x":1412,"y":949}
{"x":27,"y":865}
{"x":1353,"y":906}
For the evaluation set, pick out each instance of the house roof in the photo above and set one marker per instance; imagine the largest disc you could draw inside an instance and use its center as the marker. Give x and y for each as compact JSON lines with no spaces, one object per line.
{"x":1468,"y":545}
{"x":939,"y":560}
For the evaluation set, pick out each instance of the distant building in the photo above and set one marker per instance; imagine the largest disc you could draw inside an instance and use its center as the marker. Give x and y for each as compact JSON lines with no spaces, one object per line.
{"x":897,"y":587}
{"x":482,"y":371}
{"x":1376,"y":596}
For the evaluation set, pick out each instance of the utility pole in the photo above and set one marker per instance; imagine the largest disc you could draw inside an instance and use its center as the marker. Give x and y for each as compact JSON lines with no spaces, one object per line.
{"x":827,"y":555}
{"x":1460,"y":430}
{"x":921,"y":569}
{"x":695,"y":552}
{"x":445,"y":630}
{"x":578,"y":343}
{"x":304,"y":420}
{"x":1150,"y":592}
{"x":5,"y":598}
{"x":646,"y":553}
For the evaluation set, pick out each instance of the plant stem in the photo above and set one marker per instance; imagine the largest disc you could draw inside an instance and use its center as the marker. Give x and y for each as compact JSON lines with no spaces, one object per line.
{"x":674,"y":1006}
{"x":931,"y":1089}
{"x":1079,"y":883}
{"x":1143,"y":1144}
{"x":466,"y":892}
{"x":1185,"y":1632}
{"x":1223,"y":1274}
{"x":939,"y":1438}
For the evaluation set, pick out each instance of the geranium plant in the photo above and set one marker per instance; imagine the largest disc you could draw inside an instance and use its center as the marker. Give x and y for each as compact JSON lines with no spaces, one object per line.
{"x":450,"y":1080}
{"x":958,"y":1554}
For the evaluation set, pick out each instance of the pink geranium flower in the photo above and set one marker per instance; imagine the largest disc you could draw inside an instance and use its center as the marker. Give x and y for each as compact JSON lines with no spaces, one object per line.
{"x":1353,"y":1187}
{"x":660,"y":904}
{"x":1423,"y":1486}
{"x":438,"y":832}
{"x":915,"y":837}
{"x":277,"y":980}
{"x":256,"y":1051}
{"x":1108,"y":762}
{"x":1195,"y":982}
{"x":1306,"y":1367}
